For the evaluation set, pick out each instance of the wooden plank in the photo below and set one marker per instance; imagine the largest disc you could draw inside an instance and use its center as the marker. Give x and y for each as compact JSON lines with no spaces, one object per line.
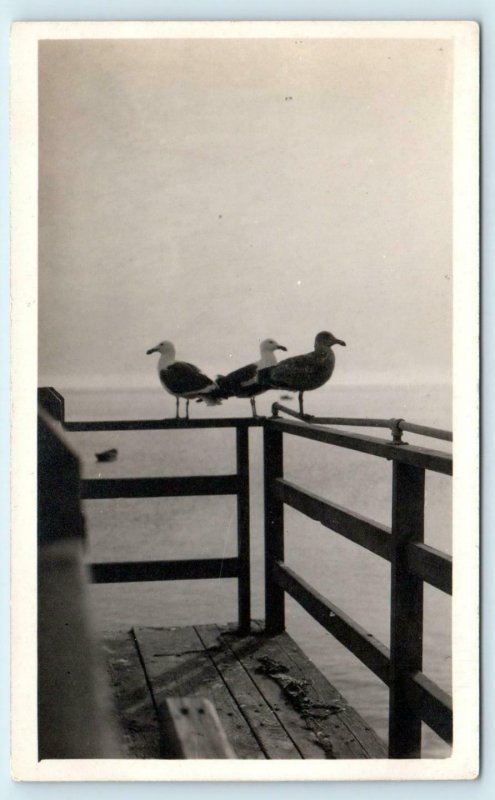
{"x":406,"y":628}
{"x":273,"y":461}
{"x":243,"y":529}
{"x":273,"y":739}
{"x":422,"y":457}
{"x":311,"y":720}
{"x":430,"y":565}
{"x":177,"y":664}
{"x":162,"y":424}
{"x":137,"y":571}
{"x":347,"y":722}
{"x":190,"y":728}
{"x":432,"y":704}
{"x":134,"y":712}
{"x":358,"y":529}
{"x":186,"y":486}
{"x":362,"y":644}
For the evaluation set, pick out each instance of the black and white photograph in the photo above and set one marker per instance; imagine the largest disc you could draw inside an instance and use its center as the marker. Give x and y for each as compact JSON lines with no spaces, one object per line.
{"x":256,"y":527}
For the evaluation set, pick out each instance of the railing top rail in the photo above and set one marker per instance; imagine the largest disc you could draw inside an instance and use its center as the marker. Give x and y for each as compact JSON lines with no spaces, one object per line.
{"x":162,"y":424}
{"x":423,"y":457}
{"x":53,"y":401}
{"x":397,"y":426}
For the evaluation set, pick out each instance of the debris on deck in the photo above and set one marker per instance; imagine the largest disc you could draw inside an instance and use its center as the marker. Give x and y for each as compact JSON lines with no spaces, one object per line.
{"x":107,"y":455}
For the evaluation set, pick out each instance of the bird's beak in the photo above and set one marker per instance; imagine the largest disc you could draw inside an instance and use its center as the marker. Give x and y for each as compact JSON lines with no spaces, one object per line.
{"x":152,"y":350}
{"x":339,"y":341}
{"x":281,"y":347}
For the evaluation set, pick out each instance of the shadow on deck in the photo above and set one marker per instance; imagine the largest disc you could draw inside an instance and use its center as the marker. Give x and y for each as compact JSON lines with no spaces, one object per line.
{"x":271,"y":700}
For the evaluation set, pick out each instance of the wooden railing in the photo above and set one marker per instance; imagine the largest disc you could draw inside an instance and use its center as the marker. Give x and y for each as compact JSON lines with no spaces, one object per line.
{"x":413,"y":698}
{"x":234,"y":484}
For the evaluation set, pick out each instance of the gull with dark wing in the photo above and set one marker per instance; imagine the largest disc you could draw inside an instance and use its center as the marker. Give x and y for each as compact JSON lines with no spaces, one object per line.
{"x":303,"y":373}
{"x":182,"y":379}
{"x":242,"y":382}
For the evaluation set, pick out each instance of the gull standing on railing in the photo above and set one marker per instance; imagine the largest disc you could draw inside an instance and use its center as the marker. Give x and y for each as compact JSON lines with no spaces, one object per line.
{"x":182,"y":379}
{"x":242,"y":382}
{"x":303,"y":373}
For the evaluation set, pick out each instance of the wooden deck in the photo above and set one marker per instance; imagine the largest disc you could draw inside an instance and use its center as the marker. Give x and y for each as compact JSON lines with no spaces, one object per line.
{"x":271,"y":700}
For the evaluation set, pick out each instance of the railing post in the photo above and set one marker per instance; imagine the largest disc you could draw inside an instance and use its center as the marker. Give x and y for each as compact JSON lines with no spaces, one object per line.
{"x":406,"y":631}
{"x":243,"y":525}
{"x":274,"y":530}
{"x":53,"y":402}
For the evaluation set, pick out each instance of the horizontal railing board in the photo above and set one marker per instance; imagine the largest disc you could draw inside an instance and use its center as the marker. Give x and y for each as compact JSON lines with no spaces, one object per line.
{"x":356,"y":639}
{"x":144,"y":571}
{"x":107,"y":488}
{"x":76,"y":426}
{"x":432,"y":704}
{"x":430,"y":565}
{"x":422,"y":457}
{"x":358,"y":529}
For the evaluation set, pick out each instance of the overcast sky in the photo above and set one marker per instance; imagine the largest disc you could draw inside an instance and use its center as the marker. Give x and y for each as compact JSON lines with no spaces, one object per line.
{"x":217,"y":193}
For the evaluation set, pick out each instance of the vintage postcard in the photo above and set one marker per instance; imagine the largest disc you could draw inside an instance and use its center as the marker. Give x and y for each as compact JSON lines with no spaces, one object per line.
{"x":245,"y":401}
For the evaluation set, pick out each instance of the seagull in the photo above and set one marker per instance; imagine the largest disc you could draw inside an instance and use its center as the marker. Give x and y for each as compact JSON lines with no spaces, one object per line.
{"x":242,"y":382}
{"x":303,"y":373}
{"x":182,"y":379}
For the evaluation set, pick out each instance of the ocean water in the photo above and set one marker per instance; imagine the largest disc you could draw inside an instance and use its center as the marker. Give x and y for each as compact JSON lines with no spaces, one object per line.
{"x":202,"y":527}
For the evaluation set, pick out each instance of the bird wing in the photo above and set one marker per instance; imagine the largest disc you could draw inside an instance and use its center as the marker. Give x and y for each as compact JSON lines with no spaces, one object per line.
{"x":238,"y":379}
{"x":183,"y":379}
{"x":286,"y":372}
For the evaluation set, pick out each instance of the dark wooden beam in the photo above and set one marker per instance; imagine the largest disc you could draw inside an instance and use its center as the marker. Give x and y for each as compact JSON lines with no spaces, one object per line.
{"x":430,"y":565}
{"x":52,"y":402}
{"x":432,"y":704}
{"x":243,"y":529}
{"x":162,"y":424}
{"x":143,"y":571}
{"x":406,"y":625}
{"x":106,"y":488}
{"x":273,"y":460}
{"x":358,"y":529}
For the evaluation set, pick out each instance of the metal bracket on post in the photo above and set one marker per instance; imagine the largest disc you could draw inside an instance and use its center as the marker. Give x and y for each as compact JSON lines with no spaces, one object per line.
{"x":395,"y":427}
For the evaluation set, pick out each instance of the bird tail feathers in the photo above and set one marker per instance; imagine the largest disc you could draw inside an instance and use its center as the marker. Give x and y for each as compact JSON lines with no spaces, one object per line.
{"x":213,"y":395}
{"x":210,"y":400}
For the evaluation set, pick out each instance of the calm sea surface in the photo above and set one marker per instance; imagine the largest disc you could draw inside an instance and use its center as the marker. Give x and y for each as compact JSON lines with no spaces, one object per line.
{"x":202,"y":527}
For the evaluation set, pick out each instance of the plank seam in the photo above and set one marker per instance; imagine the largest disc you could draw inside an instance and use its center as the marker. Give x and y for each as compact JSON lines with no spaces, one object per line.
{"x":146,"y":676}
{"x":272,"y":709}
{"x":260,"y":743}
{"x":202,"y":650}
